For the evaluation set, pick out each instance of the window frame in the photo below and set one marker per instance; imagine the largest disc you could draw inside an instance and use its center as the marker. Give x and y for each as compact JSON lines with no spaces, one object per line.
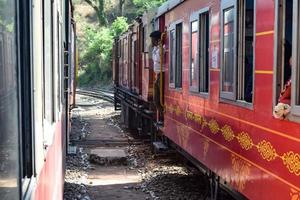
{"x":239,"y":42}
{"x":295,"y":109}
{"x":204,"y":63}
{"x":25,"y":70}
{"x":173,"y":27}
{"x":200,"y":68}
{"x":226,"y":5}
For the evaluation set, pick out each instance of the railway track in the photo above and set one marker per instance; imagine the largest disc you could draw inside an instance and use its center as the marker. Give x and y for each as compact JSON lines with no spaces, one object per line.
{"x":97,"y":93}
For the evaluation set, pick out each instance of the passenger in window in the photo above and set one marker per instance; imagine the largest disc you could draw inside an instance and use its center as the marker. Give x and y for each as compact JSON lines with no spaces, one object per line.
{"x":156,"y":41}
{"x":285,"y":95}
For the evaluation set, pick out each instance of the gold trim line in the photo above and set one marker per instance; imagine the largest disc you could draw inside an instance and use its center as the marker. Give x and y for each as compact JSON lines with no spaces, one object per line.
{"x":265,"y":33}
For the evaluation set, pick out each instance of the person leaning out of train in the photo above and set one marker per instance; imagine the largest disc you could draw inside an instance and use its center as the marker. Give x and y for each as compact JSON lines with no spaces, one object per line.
{"x":282,"y":109}
{"x":156,"y":41}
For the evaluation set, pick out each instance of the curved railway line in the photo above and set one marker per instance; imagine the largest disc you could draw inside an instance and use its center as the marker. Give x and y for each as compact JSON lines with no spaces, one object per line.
{"x":97,"y":93}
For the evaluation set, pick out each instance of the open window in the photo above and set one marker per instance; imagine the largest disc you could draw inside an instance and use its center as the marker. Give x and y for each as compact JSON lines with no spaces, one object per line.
{"x":199,"y":51}
{"x":286,"y":59}
{"x":295,"y":78}
{"x":237,"y":32}
{"x":175,"y":45}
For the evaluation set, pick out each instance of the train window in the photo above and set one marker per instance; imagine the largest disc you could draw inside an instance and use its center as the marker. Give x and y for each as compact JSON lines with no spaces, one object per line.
{"x":172,"y":58}
{"x":194,"y":56}
{"x":295,"y":79}
{"x":204,"y":51}
{"x":175,"y":68}
{"x":9,"y":104}
{"x":26,"y":96}
{"x":199,"y":52}
{"x":237,"y":50}
{"x":228,"y":53}
{"x":245,"y":53}
{"x":48,"y":61}
{"x":178,"y":66}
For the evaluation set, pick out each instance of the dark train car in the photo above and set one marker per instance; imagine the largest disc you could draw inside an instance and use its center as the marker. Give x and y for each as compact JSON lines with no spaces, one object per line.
{"x":226,"y":65}
{"x":133,"y":74}
{"x":35,"y":45}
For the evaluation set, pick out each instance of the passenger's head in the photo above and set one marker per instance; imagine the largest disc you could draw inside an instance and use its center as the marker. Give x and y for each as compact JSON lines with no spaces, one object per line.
{"x":155,"y":37}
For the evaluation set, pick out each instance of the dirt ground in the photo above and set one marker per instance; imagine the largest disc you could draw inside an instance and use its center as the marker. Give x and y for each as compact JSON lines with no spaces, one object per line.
{"x":111,"y":163}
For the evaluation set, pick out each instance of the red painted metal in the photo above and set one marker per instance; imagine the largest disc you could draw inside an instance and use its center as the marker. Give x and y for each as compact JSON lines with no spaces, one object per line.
{"x":50,"y":180}
{"x":216,"y":133}
{"x":254,"y":153}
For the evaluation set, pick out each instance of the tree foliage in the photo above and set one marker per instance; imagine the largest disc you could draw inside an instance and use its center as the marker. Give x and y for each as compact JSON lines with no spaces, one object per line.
{"x":98,"y":6}
{"x":96,"y":57}
{"x":97,"y":41}
{"x":119,"y":26}
{"x":146,"y":5}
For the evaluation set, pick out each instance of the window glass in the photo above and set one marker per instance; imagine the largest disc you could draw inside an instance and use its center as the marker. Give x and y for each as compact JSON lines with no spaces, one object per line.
{"x":204,"y":52}
{"x":172,"y":56}
{"x":228,"y":51}
{"x":194,"y":52}
{"x":178,"y":70}
{"x":9,"y":147}
{"x":48,"y":61}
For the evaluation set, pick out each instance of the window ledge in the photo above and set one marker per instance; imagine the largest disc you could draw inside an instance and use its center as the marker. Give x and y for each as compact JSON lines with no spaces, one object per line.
{"x":179,"y":90}
{"x":239,"y":103}
{"x":199,"y":94}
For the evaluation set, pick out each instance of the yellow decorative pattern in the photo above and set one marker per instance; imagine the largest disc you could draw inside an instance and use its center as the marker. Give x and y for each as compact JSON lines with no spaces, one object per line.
{"x":245,"y":140}
{"x":295,"y":195}
{"x":292,"y":161}
{"x":189,"y":115}
{"x":204,"y":123}
{"x":242,"y":172}
{"x":184,"y":136}
{"x":213,"y":126}
{"x":227,"y":133}
{"x":266,"y":150}
{"x":178,"y":111}
{"x":205,"y":148}
{"x":197,"y":119}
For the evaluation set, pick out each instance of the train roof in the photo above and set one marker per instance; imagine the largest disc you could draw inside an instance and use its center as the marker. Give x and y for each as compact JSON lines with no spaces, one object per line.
{"x":167,"y":6}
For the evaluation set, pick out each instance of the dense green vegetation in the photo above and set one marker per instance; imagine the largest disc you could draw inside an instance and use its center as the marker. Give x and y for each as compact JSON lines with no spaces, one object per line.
{"x":96,"y":33}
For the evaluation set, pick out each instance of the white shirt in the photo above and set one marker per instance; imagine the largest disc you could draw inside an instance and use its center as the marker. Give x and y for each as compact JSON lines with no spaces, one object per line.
{"x":156,"y":60}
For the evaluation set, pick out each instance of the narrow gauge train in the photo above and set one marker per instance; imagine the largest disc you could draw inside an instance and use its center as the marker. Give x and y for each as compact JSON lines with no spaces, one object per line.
{"x":37,"y":42}
{"x":226,"y":64}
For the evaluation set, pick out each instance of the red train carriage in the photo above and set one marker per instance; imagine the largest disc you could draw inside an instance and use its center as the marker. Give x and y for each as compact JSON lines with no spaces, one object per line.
{"x":133,"y":74}
{"x":35,"y":44}
{"x":227,"y":63}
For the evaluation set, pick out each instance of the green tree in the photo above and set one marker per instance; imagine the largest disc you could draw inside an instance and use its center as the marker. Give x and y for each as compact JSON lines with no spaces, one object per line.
{"x":146,"y":5}
{"x":119,"y":26}
{"x":98,"y":6}
{"x":96,"y":57}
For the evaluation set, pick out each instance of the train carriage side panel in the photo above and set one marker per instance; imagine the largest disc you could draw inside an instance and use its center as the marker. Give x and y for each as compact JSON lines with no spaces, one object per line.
{"x":253,"y":152}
